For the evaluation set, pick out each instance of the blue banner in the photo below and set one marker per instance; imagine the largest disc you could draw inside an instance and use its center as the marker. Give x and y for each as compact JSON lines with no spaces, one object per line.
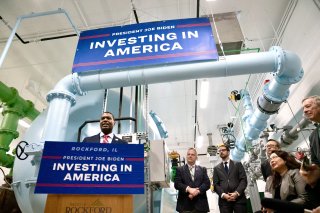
{"x":91,"y":168}
{"x":145,"y":44}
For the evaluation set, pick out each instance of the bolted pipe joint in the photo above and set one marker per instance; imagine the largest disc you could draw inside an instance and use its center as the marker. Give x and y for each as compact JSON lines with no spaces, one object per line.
{"x":11,"y":98}
{"x":6,"y":159}
{"x":267,"y":106}
{"x":10,"y":134}
{"x":55,"y":94}
{"x":288,"y":66}
{"x":76,"y":84}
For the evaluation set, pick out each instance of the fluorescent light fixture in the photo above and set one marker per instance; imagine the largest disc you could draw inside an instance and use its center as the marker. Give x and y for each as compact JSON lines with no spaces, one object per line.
{"x":199,"y":142}
{"x":204,"y":94}
{"x":23,"y":124}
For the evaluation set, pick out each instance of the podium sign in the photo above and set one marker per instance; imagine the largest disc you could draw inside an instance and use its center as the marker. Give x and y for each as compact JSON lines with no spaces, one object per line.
{"x":91,"y":168}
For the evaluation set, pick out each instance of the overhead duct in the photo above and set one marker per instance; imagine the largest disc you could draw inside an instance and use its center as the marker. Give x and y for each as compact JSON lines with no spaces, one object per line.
{"x":230,"y":34}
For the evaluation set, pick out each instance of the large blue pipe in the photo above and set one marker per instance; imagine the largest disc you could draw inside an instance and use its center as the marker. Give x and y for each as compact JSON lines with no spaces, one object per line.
{"x":285,"y":65}
{"x":288,"y":72}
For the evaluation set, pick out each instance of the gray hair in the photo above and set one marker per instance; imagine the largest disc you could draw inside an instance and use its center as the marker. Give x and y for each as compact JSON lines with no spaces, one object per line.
{"x":316,"y":99}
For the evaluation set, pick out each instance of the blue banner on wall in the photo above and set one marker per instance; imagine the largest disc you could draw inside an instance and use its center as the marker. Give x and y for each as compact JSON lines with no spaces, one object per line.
{"x":91,"y":168}
{"x":145,"y":44}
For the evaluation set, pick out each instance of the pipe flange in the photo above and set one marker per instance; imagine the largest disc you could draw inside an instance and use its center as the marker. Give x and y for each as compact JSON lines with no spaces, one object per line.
{"x":14,"y":133}
{"x":12,"y":98}
{"x":53,"y":94}
{"x":266,"y":91}
{"x":76,"y":84}
{"x":287,"y":80}
{"x":28,"y":108}
{"x":282,"y":57}
{"x":279,"y":53}
{"x":268,"y":106}
{"x":30,"y":182}
{"x":13,"y":111}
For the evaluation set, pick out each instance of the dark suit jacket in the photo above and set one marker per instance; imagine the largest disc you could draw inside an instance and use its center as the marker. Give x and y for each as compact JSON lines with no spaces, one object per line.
{"x":235,"y":180}
{"x":315,"y":146}
{"x":201,"y":180}
{"x":266,"y":169}
{"x":96,"y":139}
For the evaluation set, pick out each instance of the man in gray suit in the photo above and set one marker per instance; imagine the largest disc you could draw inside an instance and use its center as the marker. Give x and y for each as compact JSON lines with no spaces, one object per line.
{"x":105,"y":136}
{"x":192,"y":181}
{"x":230,"y":181}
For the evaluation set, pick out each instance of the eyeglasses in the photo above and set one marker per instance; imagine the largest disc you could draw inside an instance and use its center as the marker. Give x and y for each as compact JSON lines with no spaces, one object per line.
{"x":222,"y":150}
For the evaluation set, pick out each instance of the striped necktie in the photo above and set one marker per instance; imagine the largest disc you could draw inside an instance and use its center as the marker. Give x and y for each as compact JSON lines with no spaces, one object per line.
{"x":191,"y":168}
{"x":105,"y":139}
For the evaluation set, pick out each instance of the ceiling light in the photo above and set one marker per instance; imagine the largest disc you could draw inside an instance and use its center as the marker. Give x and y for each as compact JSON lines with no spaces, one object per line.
{"x":23,"y":124}
{"x":204,"y":94}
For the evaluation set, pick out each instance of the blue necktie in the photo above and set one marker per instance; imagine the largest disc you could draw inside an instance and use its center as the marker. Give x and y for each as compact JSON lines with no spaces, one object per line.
{"x":226,"y":167}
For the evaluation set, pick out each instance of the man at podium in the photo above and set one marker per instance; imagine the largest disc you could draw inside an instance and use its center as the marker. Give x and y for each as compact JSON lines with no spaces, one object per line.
{"x":105,"y":136}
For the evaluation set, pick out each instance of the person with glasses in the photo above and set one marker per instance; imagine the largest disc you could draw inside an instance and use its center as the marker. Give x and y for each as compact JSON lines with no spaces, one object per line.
{"x":230,"y":181}
{"x":272,"y":145}
{"x":192,"y":182}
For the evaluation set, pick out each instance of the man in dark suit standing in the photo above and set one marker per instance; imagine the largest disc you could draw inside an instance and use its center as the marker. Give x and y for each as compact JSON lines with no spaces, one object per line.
{"x":311,"y":110}
{"x":192,"y":182}
{"x":230,"y":181}
{"x":272,"y":145}
{"x":105,"y":136}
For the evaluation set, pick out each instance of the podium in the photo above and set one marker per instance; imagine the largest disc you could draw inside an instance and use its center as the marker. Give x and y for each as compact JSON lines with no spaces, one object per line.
{"x":64,"y":203}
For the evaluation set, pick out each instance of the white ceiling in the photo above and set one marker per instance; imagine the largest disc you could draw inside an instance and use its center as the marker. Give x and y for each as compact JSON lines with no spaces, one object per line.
{"x":34,"y":68}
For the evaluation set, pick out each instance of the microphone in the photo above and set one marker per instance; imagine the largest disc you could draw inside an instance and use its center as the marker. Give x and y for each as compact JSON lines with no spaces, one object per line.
{"x":282,"y":205}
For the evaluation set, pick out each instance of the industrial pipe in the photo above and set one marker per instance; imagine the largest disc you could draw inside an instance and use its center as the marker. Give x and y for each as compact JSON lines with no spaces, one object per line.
{"x":284,"y":64}
{"x":15,"y":108}
{"x":288,"y":71}
{"x":291,"y":135}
